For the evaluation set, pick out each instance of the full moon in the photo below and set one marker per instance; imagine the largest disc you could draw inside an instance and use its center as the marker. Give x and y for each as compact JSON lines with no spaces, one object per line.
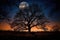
{"x":23,"y":5}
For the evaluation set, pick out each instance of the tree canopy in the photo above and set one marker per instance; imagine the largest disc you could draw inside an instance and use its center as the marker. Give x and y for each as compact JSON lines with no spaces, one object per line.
{"x":29,"y":17}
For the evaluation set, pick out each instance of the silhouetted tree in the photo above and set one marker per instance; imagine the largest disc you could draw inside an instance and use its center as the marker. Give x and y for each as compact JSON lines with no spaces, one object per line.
{"x":28,"y":18}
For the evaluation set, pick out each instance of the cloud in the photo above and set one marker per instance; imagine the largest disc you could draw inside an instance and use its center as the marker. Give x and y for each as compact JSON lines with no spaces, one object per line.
{"x":49,"y":7}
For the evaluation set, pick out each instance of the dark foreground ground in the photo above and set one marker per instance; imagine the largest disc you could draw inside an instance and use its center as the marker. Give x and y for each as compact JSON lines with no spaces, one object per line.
{"x":10,"y":35}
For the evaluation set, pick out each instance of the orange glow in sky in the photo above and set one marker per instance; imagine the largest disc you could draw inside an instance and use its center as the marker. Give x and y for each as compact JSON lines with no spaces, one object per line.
{"x":6,"y":26}
{"x":34,"y":29}
{"x":51,"y":26}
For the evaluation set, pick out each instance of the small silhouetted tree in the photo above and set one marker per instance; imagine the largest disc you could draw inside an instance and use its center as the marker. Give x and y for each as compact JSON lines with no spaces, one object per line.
{"x":28,"y":18}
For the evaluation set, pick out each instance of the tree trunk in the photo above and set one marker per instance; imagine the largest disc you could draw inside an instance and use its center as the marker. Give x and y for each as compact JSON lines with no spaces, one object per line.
{"x":29,"y":28}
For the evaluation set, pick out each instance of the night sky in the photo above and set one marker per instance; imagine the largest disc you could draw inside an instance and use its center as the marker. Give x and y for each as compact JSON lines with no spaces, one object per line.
{"x":49,"y":7}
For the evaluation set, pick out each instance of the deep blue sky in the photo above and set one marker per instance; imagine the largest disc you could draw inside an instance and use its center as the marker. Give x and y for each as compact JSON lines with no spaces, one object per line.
{"x":49,"y":7}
